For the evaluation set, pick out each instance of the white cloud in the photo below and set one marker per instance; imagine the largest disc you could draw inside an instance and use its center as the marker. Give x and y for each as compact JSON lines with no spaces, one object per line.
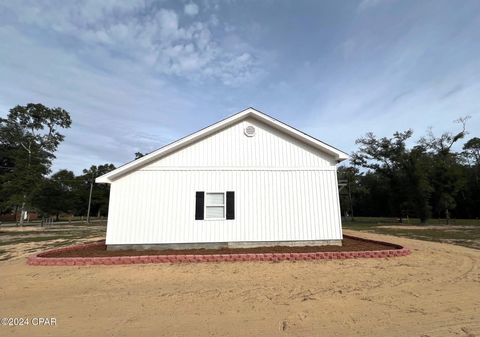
{"x":133,"y":75}
{"x":137,"y":74}
{"x":147,"y":35}
{"x":191,"y":9}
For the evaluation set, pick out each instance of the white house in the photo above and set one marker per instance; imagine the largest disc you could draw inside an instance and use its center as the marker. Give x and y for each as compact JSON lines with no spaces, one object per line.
{"x":248,"y":180}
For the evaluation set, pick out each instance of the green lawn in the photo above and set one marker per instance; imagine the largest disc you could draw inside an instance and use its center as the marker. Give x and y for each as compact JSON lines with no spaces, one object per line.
{"x":459,"y":232}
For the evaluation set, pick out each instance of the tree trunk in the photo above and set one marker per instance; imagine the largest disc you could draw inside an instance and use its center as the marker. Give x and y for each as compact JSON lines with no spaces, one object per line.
{"x":90,"y":199}
{"x":24,"y":195}
{"x":350,"y":201}
{"x":15,"y":215}
{"x":22,"y":210}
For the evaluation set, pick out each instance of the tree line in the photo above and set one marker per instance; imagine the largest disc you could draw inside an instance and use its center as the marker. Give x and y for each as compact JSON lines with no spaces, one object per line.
{"x":387,"y":176}
{"x":397,"y":177}
{"x":29,"y":138}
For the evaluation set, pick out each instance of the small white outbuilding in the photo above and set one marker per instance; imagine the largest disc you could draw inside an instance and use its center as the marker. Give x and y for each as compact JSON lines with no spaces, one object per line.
{"x":248,"y":180}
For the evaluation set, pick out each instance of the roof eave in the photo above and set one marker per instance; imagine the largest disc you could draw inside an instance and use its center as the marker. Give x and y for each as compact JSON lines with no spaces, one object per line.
{"x":102,"y":180}
{"x":250,"y":112}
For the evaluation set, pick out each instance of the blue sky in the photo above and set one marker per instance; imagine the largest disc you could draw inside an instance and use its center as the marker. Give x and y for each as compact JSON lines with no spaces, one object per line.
{"x":136,"y":75}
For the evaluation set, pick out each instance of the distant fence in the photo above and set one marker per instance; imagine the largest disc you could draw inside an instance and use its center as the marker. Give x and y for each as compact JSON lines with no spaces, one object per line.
{"x":13,"y":217}
{"x":50,"y":221}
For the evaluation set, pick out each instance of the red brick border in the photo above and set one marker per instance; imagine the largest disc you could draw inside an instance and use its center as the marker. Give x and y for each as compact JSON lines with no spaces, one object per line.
{"x":40,"y":259}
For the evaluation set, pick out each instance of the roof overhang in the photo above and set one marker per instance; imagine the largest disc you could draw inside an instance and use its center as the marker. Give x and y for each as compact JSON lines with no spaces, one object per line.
{"x":205,"y":132}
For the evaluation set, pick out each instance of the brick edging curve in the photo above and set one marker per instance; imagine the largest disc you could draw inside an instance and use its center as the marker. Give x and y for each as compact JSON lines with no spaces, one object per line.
{"x":39,"y":259}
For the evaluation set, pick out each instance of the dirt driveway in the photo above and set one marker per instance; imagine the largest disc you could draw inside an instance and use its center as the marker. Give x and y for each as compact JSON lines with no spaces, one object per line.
{"x":433,"y":292}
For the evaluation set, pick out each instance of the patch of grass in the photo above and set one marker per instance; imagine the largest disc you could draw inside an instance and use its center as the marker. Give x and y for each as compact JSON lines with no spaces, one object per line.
{"x":29,"y":240}
{"x":70,"y":234}
{"x":45,"y":238}
{"x":2,"y":256}
{"x":26,"y":233}
{"x":416,"y":221}
{"x":463,"y":236}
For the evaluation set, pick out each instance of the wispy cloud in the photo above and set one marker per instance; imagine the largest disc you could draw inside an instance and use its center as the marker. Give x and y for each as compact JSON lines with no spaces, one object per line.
{"x":138,"y":74}
{"x":191,"y":9}
{"x":452,"y":91}
{"x":412,"y":73}
{"x":142,"y":32}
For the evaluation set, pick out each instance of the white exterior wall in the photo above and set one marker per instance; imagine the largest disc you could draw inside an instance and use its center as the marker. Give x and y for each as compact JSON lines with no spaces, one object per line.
{"x":269,"y":148}
{"x":284,"y":191}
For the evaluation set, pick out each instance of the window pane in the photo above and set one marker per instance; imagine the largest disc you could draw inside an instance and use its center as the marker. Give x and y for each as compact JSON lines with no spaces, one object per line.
{"x":215,"y":199}
{"x":214,"y":212}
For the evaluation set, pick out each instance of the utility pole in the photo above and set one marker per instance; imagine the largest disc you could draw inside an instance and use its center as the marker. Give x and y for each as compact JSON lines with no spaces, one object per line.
{"x":90,"y":198}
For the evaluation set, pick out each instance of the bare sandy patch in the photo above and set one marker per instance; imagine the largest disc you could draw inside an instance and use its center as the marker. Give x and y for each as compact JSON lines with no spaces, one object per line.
{"x":432,"y":292}
{"x":23,"y":250}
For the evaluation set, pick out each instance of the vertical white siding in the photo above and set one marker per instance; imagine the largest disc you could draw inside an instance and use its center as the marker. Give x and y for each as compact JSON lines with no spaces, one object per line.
{"x":284,"y":190}
{"x":231,"y":148}
{"x":159,"y":206}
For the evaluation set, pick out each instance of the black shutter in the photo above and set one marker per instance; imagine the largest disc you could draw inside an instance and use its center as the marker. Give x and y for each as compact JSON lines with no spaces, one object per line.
{"x":199,"y":203}
{"x":230,"y":205}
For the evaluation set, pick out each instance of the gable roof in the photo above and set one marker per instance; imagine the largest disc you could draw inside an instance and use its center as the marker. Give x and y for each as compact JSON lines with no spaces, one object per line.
{"x":205,"y":132}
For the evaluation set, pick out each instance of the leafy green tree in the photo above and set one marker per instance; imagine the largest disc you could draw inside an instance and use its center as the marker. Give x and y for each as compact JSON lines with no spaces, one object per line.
{"x":424,"y":180}
{"x":64,"y":192}
{"x":469,"y":197}
{"x":472,"y":151}
{"x":390,"y":159}
{"x":30,"y":136}
{"x":55,"y":194}
{"x":447,"y":178}
{"x":100,"y":192}
{"x":7,"y":164}
{"x":417,"y":168}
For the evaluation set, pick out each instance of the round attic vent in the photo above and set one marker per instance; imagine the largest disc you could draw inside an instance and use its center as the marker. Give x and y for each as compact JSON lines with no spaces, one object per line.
{"x":249,"y":131}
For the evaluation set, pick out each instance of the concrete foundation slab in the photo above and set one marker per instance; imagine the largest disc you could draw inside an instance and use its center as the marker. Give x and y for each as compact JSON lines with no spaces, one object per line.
{"x":217,"y":245}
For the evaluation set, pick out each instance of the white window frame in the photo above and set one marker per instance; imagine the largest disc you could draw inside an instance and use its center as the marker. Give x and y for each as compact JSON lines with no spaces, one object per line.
{"x":224,"y":205}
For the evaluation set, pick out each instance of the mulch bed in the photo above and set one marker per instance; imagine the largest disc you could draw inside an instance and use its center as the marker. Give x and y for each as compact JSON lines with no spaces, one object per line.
{"x":349,"y":244}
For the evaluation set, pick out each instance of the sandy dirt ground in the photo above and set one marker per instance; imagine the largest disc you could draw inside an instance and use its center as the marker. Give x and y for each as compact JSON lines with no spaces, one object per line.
{"x":10,"y":248}
{"x":433,"y":292}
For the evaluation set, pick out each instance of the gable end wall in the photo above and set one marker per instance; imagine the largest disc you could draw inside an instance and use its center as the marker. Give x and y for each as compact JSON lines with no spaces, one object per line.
{"x":231,"y":148}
